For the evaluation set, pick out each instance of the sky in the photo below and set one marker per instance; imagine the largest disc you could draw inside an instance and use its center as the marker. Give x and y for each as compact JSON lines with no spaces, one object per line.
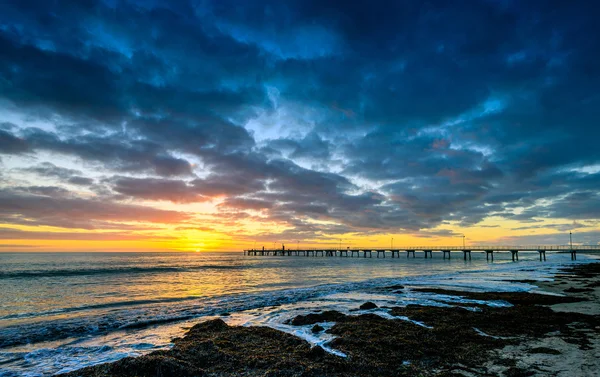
{"x":130,"y":125}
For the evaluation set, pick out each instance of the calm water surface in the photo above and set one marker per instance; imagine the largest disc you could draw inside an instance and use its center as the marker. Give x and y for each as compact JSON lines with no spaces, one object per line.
{"x":62,"y":311}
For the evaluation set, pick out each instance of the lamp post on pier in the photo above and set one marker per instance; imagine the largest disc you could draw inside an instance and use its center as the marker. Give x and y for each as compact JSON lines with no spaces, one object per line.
{"x":571,"y":240}
{"x":573,"y":252}
{"x":392,"y":243}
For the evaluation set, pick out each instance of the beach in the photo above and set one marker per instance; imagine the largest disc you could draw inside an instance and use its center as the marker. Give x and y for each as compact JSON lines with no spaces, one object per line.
{"x":536,"y":335}
{"x":143,"y":315}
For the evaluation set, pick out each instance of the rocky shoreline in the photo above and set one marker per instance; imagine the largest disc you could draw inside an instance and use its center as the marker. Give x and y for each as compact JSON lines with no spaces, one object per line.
{"x":538,"y":335}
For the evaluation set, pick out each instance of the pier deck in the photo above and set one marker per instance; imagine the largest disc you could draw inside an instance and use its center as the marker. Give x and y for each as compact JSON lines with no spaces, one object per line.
{"x":426,"y":250}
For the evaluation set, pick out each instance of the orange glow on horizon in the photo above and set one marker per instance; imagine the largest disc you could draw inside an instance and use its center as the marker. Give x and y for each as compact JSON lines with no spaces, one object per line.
{"x":247,"y":235}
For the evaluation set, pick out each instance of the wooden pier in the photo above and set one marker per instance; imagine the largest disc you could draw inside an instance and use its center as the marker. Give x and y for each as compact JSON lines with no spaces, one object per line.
{"x":426,"y":250}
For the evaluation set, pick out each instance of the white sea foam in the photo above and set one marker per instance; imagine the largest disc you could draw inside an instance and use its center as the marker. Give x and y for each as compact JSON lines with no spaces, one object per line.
{"x":490,"y":336}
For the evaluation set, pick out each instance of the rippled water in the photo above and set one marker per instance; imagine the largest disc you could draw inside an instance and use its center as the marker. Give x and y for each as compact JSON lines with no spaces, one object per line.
{"x":62,"y":311}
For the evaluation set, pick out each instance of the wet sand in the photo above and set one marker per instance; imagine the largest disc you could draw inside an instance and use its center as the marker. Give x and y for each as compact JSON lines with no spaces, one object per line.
{"x":539,"y":335}
{"x":555,"y":354}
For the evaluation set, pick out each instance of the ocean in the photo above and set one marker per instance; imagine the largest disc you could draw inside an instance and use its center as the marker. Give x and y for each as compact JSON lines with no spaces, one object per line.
{"x":63,"y":311}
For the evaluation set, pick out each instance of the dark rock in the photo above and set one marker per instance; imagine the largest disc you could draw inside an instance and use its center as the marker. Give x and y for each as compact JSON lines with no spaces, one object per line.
{"x":578,"y":290}
{"x":544,"y":350}
{"x":518,"y":372}
{"x":216,"y":349}
{"x":394,"y":287}
{"x":368,"y":305}
{"x":389,"y":288}
{"x":506,"y":361}
{"x":316,"y":353}
{"x":224,"y":314}
{"x":148,"y":365}
{"x":312,"y":318}
{"x":211,"y":326}
{"x":512,"y":322}
{"x":515,"y":298}
{"x":317,"y":329}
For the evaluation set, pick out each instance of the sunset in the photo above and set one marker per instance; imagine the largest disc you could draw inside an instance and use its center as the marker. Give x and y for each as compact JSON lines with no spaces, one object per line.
{"x":164,"y":164}
{"x":212,"y":126}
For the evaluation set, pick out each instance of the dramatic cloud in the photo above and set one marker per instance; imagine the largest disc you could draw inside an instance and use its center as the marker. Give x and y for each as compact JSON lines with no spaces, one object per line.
{"x":9,"y":144}
{"x":52,"y":206}
{"x":157,"y":189}
{"x":13,"y":234}
{"x":319,"y":118}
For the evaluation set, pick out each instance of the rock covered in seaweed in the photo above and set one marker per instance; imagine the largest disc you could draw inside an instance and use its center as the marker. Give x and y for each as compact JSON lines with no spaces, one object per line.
{"x":368,"y":305}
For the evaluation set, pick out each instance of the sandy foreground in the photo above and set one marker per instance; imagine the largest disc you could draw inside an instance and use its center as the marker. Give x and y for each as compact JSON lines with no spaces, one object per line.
{"x":566,"y":359}
{"x":539,"y":335}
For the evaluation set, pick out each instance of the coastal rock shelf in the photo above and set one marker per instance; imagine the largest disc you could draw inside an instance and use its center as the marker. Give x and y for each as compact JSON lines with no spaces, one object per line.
{"x":529,"y":337}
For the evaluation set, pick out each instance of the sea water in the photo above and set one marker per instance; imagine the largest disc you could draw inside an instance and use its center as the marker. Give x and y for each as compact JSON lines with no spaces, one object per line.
{"x":63,"y":311}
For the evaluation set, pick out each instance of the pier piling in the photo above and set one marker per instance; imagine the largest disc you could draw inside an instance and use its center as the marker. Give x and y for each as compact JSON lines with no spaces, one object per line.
{"x":515,"y":253}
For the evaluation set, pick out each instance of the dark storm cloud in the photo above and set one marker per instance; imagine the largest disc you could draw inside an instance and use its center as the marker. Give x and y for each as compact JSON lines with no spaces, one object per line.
{"x":114,"y":152}
{"x":312,"y":146}
{"x":80,"y":181}
{"x":157,"y":189}
{"x":104,"y":66}
{"x":409,"y":114}
{"x":207,"y":137}
{"x":15,"y":234}
{"x":10,"y":144}
{"x":578,"y":205}
{"x":48,"y":169}
{"x":243,"y":203}
{"x":49,"y":191}
{"x":56,"y":207}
